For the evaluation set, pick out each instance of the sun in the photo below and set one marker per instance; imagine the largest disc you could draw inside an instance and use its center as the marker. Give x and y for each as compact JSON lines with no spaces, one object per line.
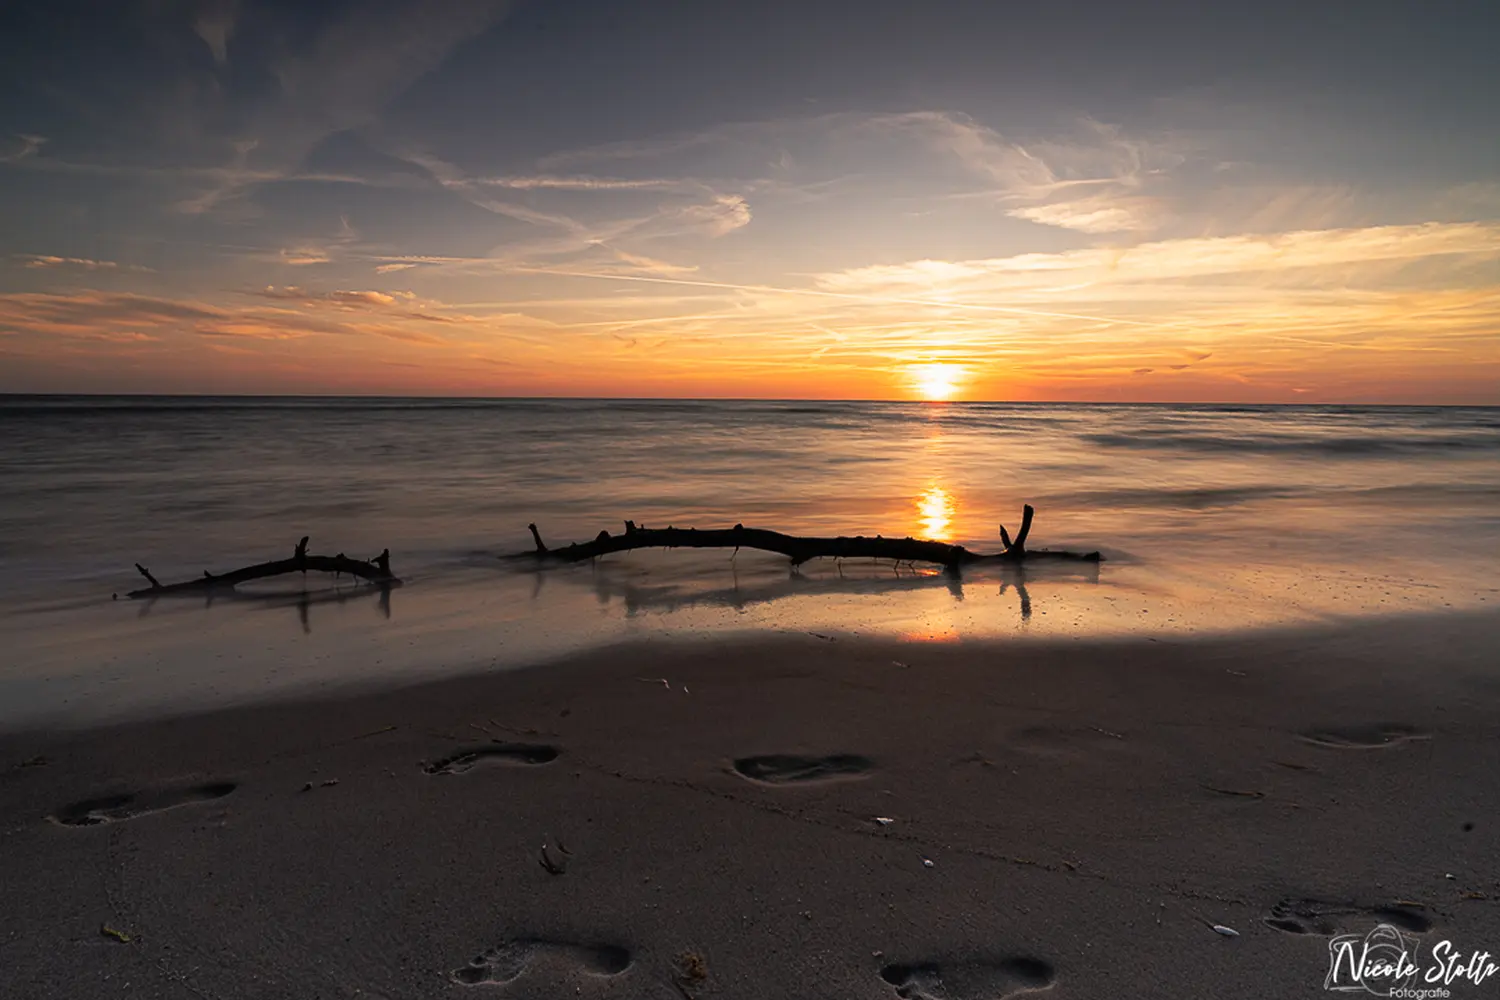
{"x":936,"y":381}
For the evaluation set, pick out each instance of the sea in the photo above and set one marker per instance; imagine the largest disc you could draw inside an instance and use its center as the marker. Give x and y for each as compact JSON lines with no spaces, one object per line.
{"x":1210,"y":519}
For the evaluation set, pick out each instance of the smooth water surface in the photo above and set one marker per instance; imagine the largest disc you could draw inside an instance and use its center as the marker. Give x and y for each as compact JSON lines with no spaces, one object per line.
{"x":1210,"y":518}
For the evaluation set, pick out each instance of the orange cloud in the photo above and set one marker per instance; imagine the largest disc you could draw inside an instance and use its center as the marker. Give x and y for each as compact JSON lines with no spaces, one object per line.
{"x":36,"y":261}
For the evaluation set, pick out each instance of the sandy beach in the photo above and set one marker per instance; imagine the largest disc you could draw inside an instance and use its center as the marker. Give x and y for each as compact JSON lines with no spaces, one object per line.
{"x":544,"y":499}
{"x":796,"y":816}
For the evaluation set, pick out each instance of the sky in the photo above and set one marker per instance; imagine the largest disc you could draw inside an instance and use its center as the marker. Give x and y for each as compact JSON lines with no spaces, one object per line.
{"x":1267,"y":202}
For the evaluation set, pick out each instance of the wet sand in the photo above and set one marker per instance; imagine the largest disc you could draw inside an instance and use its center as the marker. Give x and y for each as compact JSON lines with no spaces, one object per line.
{"x":1066,"y":816}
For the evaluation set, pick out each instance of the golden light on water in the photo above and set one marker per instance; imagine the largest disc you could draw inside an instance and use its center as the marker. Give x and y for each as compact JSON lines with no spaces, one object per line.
{"x":936,"y":381}
{"x":943,"y":633}
{"x":935,"y":509}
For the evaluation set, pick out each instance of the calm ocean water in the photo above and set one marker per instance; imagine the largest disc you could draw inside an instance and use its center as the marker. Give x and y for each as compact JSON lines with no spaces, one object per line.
{"x":1211,"y":517}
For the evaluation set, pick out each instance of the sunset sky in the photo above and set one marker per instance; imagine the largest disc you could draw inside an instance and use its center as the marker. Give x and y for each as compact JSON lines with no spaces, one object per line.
{"x":1277,"y":202}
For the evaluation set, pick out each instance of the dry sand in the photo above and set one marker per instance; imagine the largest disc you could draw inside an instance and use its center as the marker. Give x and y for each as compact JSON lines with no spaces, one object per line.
{"x":1067,"y":816}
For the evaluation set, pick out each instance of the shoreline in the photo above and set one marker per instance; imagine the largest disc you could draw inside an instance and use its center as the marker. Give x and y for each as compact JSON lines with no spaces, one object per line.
{"x":80,"y":664}
{"x":1089,"y":808}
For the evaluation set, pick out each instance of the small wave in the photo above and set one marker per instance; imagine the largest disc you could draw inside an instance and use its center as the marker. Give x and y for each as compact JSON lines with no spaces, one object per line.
{"x":1430,"y":491}
{"x":1369,"y":445}
{"x":1192,"y":499}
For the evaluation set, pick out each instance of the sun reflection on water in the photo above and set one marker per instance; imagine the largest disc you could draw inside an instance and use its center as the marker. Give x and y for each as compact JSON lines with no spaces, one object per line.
{"x":935,"y":509}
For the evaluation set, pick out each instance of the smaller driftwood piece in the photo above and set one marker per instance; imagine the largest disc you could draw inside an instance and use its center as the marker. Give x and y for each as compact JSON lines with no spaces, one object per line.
{"x":377,"y":570}
{"x":800,"y":549}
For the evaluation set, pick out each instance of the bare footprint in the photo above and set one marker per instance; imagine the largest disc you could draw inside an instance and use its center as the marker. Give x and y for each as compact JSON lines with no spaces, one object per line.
{"x":1364,"y":737}
{"x":523,"y":754}
{"x":1320,"y":917}
{"x":789,"y":769}
{"x":507,"y":961}
{"x":970,"y":979}
{"x":113,"y":808}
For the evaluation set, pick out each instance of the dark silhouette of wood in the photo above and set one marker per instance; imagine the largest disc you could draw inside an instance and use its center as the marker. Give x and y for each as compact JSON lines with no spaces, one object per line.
{"x":1018,"y":547}
{"x":801,"y":549}
{"x":377,"y":570}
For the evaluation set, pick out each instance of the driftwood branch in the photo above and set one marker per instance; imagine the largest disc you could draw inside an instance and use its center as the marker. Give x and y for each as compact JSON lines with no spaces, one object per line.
{"x":1017,"y":549}
{"x":377,"y":570}
{"x":801,"y":549}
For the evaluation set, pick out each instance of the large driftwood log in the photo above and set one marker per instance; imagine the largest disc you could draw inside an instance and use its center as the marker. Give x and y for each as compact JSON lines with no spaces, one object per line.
{"x":377,"y":570}
{"x":800,"y":549}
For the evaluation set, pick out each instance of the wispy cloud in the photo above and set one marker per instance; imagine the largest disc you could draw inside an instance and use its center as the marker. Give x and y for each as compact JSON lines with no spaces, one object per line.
{"x":759,"y":255}
{"x":121,"y":317}
{"x":360,"y":62}
{"x":305,"y":256}
{"x":401,"y":304}
{"x":650,"y":265}
{"x":316,"y":250}
{"x":21,"y":146}
{"x":386,"y":265}
{"x":1098,"y":213}
{"x":549,"y":182}
{"x":336,"y":77}
{"x":90,"y":313}
{"x":1240,"y":317}
{"x":228,"y":183}
{"x":1169,"y":260}
{"x":719,"y":217}
{"x":1092,"y":178}
{"x":215,"y":24}
{"x":694,"y":208}
{"x":295,"y":293}
{"x":36,"y":261}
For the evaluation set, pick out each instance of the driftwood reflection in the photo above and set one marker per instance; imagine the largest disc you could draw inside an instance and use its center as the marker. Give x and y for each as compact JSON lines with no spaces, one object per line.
{"x":303,"y":600}
{"x":639,"y":597}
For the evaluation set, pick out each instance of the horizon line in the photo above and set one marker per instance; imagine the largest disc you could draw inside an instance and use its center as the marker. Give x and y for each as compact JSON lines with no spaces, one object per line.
{"x":717,"y":399}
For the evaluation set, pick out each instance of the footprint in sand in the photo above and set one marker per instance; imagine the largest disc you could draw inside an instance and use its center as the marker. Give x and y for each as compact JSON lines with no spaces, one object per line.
{"x":1314,"y":916}
{"x":1364,"y":737}
{"x":508,"y":961}
{"x":522,"y":754}
{"x":113,"y":808}
{"x":973,"y":979}
{"x":789,"y":769}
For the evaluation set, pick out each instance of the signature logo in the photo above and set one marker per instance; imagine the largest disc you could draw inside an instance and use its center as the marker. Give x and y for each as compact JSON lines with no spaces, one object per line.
{"x":1387,"y":963}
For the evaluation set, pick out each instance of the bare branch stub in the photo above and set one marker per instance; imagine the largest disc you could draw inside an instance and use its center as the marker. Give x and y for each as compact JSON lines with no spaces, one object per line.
{"x":801,"y":549}
{"x":1027,"y":512}
{"x":1017,"y":548}
{"x":377,"y":570}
